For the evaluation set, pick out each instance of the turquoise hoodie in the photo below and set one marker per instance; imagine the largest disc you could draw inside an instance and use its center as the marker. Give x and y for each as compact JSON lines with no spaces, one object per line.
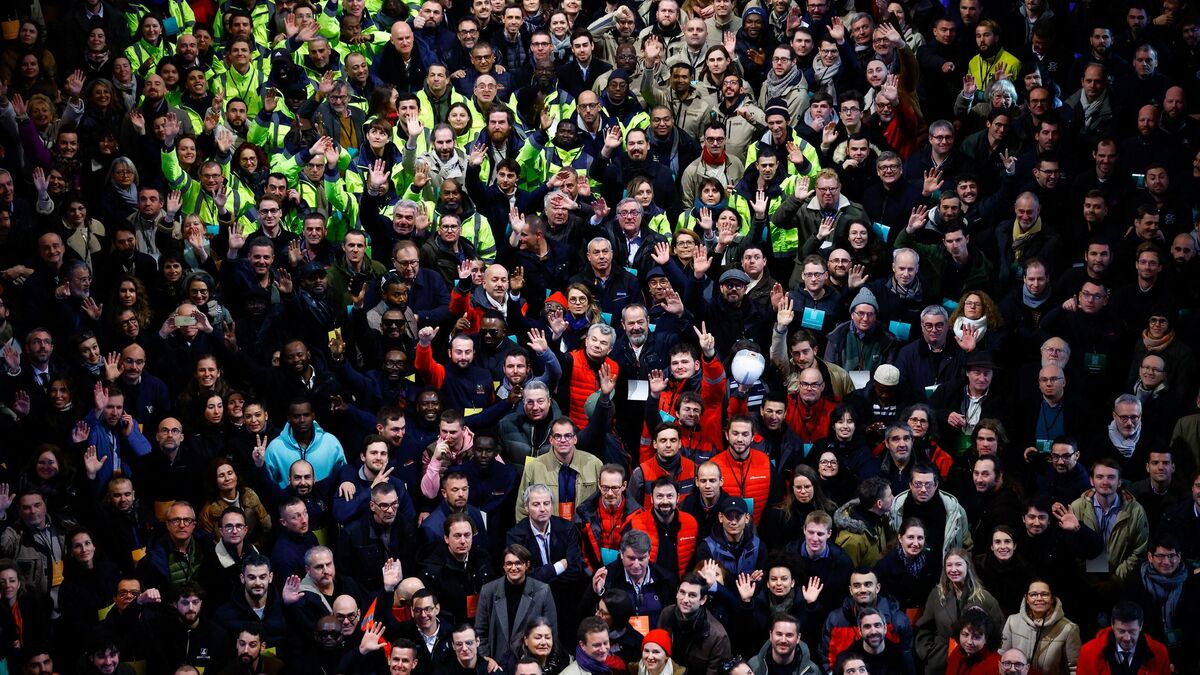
{"x":324,"y":453}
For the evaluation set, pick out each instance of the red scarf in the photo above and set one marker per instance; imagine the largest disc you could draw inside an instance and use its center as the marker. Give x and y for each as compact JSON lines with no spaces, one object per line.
{"x":711,"y":159}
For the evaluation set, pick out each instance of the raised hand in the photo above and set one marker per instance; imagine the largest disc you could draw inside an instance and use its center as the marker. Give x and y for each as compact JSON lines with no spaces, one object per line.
{"x":221,"y":199}
{"x":673,"y":304}
{"x":916,"y":220}
{"x":294,"y":254}
{"x":112,"y":366}
{"x":558,"y":324}
{"x":91,"y":463}
{"x":968,"y":340}
{"x":969,"y":86}
{"x":825,"y":228}
{"x":360,"y":300}
{"x":74,"y":84}
{"x":40,"y":182}
{"x":658,"y":382}
{"x":612,"y":138}
{"x":478,"y":153}
{"x":661,"y":253}
{"x":785,"y":315}
{"x":601,"y":209}
{"x":325,"y":86}
{"x":464,"y":270}
{"x":777,"y":295}
{"x":857,"y":277}
{"x":171,"y":129}
{"x":726,"y":234}
{"x":804,"y":188}
{"x":606,"y":380}
{"x":271,"y":100}
{"x":1010,"y":162}
{"x":812,"y":591}
{"x":932,"y":182}
{"x":92,"y":309}
{"x":795,"y":152}
{"x":537,"y":341}
{"x":413,"y":126}
{"x":12,"y":358}
{"x":236,"y":238}
{"x":829,"y":134}
{"x":701,"y":262}
{"x":259,"y":454}
{"x":760,"y":204}
{"x":837,"y":30}
{"x":284,"y":282}
{"x":372,"y":639}
{"x":392,"y":573}
{"x":100,"y":394}
{"x":291,"y":590}
{"x":1067,"y":519}
{"x":18,"y":104}
{"x":708,"y":341}
{"x":377,"y":176}
{"x":6,"y":497}
{"x":706,"y":218}
{"x":426,"y":335}
{"x":516,"y":283}
{"x":745,"y":587}
{"x":21,"y":403}
{"x":80,"y":432}
{"x":420,"y":176}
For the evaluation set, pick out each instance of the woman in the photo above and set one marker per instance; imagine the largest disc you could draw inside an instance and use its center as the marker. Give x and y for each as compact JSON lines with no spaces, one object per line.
{"x":81,"y":233}
{"x":1000,"y":94}
{"x":240,"y":442}
{"x":89,"y":583}
{"x":863,"y":243}
{"x":250,"y":167}
{"x":1159,"y":338}
{"x":167,"y":290}
{"x":976,"y":313}
{"x":909,"y":571}
{"x":712,"y":196}
{"x":899,"y":14}
{"x":124,"y":81}
{"x":839,"y":484}
{"x":185,"y":151}
{"x":1043,"y":632}
{"x":103,"y":110}
{"x":128,"y":293}
{"x":119,"y":195}
{"x":653,"y":215}
{"x":207,"y":379}
{"x":461,"y":120}
{"x":656,"y":656}
{"x":89,"y":366}
{"x":717,"y":62}
{"x":225,"y":490}
{"x":1002,"y":572}
{"x":777,"y":593}
{"x":615,"y":609}
{"x":29,"y":42}
{"x":975,"y":652}
{"x":207,"y":432}
{"x":957,"y":589}
{"x":24,"y":613}
{"x":54,"y":423}
{"x":571,"y":326}
{"x":97,"y":60}
{"x":684,"y":244}
{"x":496,"y":613}
{"x":49,"y":473}
{"x":538,"y":643}
{"x":845,"y":440}
{"x":30,"y":80}
{"x":149,"y":47}
{"x":923,"y":423}
{"x":784,"y":524}
{"x":559,"y":27}
{"x":201,"y":292}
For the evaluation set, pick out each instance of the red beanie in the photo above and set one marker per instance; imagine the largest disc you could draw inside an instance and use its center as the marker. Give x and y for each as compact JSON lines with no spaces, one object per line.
{"x":659,"y":637}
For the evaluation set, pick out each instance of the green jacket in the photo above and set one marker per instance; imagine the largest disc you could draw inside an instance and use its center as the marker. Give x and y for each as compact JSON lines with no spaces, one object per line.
{"x":1129,"y":541}
{"x":935,"y":260}
{"x":199,"y":202}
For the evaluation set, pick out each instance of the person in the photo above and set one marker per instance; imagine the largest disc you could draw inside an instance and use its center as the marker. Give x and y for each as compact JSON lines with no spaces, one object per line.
{"x":938,"y":509}
{"x":1163,"y":581}
{"x":592,"y":656}
{"x":694,"y":630}
{"x":645,"y":583}
{"x":909,"y":570}
{"x":958,"y":589}
{"x":784,"y":651}
{"x":656,"y":656}
{"x":864,"y":528}
{"x":1123,"y":646}
{"x":975,"y":652}
{"x":840,"y":629}
{"x":492,"y":624}
{"x":1042,"y":630}
{"x":1111,"y":511}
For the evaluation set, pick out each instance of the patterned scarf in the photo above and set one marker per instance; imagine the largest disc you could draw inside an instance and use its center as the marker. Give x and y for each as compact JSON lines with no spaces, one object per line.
{"x":778,"y":87}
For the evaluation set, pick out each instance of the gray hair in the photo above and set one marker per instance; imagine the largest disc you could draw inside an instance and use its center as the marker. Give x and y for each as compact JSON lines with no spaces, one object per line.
{"x":315,"y":551}
{"x":860,"y":15}
{"x":1128,"y":399}
{"x":935,"y":310}
{"x":127,"y":163}
{"x":901,"y":251}
{"x":631,"y":200}
{"x":636,"y":541}
{"x":406,"y":204}
{"x":536,"y":487}
{"x":940,"y":125}
{"x":889,"y":156}
{"x":1006,"y":86}
{"x":599,"y":240}
{"x":603,"y":329}
{"x":633,"y":305}
{"x":535,"y":385}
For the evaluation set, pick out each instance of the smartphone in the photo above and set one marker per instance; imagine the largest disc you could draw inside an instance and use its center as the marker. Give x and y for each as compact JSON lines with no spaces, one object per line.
{"x":335,"y":334}
{"x":1139,"y":181}
{"x":184,"y":321}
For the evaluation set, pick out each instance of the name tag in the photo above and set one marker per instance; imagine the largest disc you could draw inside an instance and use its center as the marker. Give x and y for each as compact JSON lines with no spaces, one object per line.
{"x":881,"y":229}
{"x":812,"y":319}
{"x":900,"y":329}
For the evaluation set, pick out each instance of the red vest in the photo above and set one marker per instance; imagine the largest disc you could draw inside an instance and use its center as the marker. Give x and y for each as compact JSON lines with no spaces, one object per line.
{"x":685,"y":482}
{"x":685,"y":544}
{"x":584,"y":383}
{"x":750,"y":479}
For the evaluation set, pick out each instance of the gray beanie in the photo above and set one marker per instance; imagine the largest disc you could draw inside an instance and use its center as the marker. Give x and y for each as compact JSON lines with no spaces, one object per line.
{"x":865,"y":297}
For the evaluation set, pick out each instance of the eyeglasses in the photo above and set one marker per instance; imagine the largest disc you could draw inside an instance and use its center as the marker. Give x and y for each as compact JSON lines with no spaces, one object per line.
{"x":423,"y":610}
{"x":811,"y":385}
{"x":972,"y":303}
{"x":922,"y":485}
{"x":628,"y":212}
{"x":1061,"y":457}
{"x":1164,"y":556}
{"x":813,"y":275}
{"x":1129,"y":419}
{"x":563,"y":437}
{"x":406,"y":263}
{"x":233,"y":527}
{"x":828,"y":190}
{"x":181,"y":521}
{"x":1037,"y":594}
{"x":863,"y":315}
{"x":276,"y":210}
{"x":934,"y":326}
{"x":1013,"y":665}
{"x":513,"y":564}
{"x":388,"y":506}
{"x":827,"y":462}
{"x":1151,"y":369}
{"x":917,"y":420}
{"x":1086,"y":295}
{"x":352,"y":616}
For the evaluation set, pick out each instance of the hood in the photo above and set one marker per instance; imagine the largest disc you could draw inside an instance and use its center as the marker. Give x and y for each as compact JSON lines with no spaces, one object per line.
{"x":1056,"y":615}
{"x":844,"y":518}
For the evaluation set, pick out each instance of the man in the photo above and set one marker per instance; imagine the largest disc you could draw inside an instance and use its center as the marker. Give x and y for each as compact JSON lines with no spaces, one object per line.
{"x":696,"y":636}
{"x":181,"y":555}
{"x":841,"y":627}
{"x":864,"y":529}
{"x":804,"y":215}
{"x":454,"y":439}
{"x":732,"y":543}
{"x":115,"y":435}
{"x":458,"y":567}
{"x":251,"y":657}
{"x":570,"y":474}
{"x":962,"y":404}
{"x":667,"y":462}
{"x":647,"y":584}
{"x":525,"y":432}
{"x":898,"y":461}
{"x":313,"y":597}
{"x":1126,"y":438}
{"x":1121,"y":522}
{"x":673,"y":533}
{"x":303,"y":438}
{"x":592,"y":655}
{"x":932,"y":361}
{"x":879,"y":655}
{"x":256,"y":606}
{"x":32,"y":541}
{"x":732,"y":315}
{"x":374,"y":538}
{"x":612,"y":286}
{"x":993,"y":502}
{"x":750,"y":473}
{"x":124,"y":523}
{"x":554,"y":544}
{"x":581,"y":73}
{"x":1026,"y":238}
{"x":1123,"y":647}
{"x":952,"y":268}
{"x":1064,"y":479}
{"x":714,"y":162}
{"x":455,"y":497}
{"x":783,"y":652}
{"x":862,"y":343}
{"x":429,"y":631}
{"x":185,"y":635}
{"x":296,"y":536}
{"x":466,"y":653}
{"x":945,"y":518}
{"x":1164,"y":577}
{"x":602,"y":517}
{"x":703,"y":504}
{"x":354,"y":486}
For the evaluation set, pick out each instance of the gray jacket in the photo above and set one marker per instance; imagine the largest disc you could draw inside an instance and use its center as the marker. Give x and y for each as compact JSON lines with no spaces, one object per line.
{"x":804,"y":663}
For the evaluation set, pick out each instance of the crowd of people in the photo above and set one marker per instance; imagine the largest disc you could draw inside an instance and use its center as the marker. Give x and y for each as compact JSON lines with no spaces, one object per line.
{"x":768,"y":337}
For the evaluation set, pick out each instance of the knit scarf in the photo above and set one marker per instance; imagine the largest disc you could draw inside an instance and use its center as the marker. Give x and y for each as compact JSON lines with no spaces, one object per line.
{"x":711,"y":159}
{"x":1125,"y":446}
{"x":824,"y":73}
{"x":1166,"y":590}
{"x":713,"y":208}
{"x":962,"y":322}
{"x":577,"y":323}
{"x":1021,"y":239}
{"x":778,"y":87}
{"x":915,"y":564}
{"x":1034,"y":301}
{"x":912,"y":292}
{"x":128,"y":195}
{"x":1154,"y":345}
{"x":589,"y":665}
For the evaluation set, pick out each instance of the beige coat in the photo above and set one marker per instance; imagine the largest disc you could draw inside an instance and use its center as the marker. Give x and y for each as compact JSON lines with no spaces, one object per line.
{"x":1052,"y":646}
{"x":544,"y":469}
